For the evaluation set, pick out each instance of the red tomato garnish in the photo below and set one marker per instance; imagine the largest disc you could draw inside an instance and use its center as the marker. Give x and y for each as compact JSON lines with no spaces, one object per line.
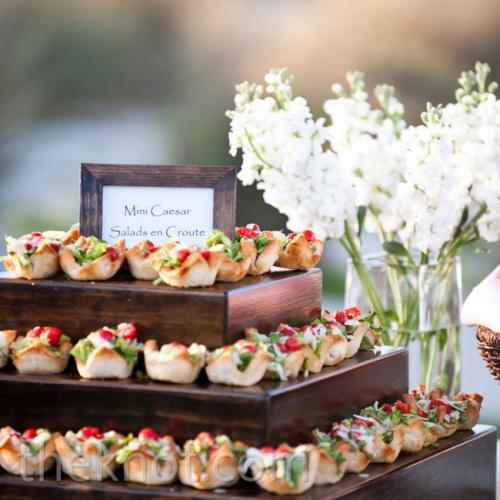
{"x":387,"y":408}
{"x":422,"y":413}
{"x":29,"y":433}
{"x":113,"y":253}
{"x":292,"y":344}
{"x":435,"y":403}
{"x":205,"y":439}
{"x":127,"y":330}
{"x":152,"y":249}
{"x":352,"y":312}
{"x":148,"y":433}
{"x":286,"y":330}
{"x":291,"y":236}
{"x":106,"y":333}
{"x":28,"y":246}
{"x":205,"y":253}
{"x":402,"y":407}
{"x":250,"y":231}
{"x":250,"y":348}
{"x":309,"y":235}
{"x":88,"y":432}
{"x":183,"y":254}
{"x":52,"y":335}
{"x":36,"y":234}
{"x":55,"y":245}
{"x":340,"y":317}
{"x":35,"y":332}
{"x":284,"y":448}
{"x":267,"y":449}
{"x":254,"y":227}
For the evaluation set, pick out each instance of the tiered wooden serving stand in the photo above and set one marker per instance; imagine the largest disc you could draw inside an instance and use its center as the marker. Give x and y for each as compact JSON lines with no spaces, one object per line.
{"x":271,"y":412}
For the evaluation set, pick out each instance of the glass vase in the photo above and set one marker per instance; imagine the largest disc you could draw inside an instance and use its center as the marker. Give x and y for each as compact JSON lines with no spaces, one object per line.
{"x":419,"y":306}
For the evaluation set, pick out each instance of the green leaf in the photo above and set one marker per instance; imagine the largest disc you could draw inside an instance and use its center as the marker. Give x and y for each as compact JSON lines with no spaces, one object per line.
{"x":82,"y":350}
{"x":442,"y":338}
{"x":396,"y":248}
{"x":216,"y":238}
{"x":122,"y":347}
{"x":95,"y":249}
{"x":361,"y":220}
{"x":260,"y":242}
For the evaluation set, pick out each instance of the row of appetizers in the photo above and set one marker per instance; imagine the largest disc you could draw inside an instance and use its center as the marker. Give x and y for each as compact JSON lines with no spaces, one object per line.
{"x":113,"y":352}
{"x":376,"y":435}
{"x":254,"y":252}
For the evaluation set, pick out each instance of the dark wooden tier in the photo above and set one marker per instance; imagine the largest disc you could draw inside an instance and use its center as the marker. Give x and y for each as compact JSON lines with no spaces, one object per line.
{"x":462,"y":468}
{"x":213,"y":316}
{"x":268,"y":413}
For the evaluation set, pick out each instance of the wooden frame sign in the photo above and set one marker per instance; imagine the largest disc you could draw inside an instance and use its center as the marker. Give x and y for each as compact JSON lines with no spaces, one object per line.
{"x":156,"y":202}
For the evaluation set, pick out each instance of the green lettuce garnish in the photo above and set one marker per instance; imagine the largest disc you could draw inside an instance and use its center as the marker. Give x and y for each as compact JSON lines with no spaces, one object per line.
{"x":260,"y":242}
{"x":95,"y":249}
{"x":82,"y":350}
{"x":217,"y":238}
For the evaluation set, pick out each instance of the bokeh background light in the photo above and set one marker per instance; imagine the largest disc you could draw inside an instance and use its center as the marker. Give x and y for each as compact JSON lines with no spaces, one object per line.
{"x":148,"y":81}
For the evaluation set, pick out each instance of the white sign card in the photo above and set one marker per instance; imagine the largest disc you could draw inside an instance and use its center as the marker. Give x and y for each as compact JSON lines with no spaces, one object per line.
{"x":138,"y":213}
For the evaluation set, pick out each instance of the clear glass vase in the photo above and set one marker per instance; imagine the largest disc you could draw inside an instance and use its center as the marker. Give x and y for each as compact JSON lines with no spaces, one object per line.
{"x":417,"y":304}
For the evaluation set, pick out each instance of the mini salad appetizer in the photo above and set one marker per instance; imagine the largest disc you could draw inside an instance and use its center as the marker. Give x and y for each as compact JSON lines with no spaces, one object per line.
{"x":6,"y":338}
{"x":443,"y":415}
{"x":36,"y":255}
{"x":30,"y":453}
{"x":284,"y":470}
{"x":185,"y":267}
{"x":411,"y":422}
{"x":332,"y":459}
{"x":266,"y":245}
{"x":299,"y":250}
{"x":386,"y":441}
{"x":210,"y":462}
{"x":338,"y":343}
{"x":88,"y":454}
{"x":92,"y":259}
{"x":359,"y":330}
{"x":43,"y":351}
{"x":236,"y":256}
{"x":174,"y":362}
{"x":287,"y":358}
{"x":149,"y":458}
{"x":241,"y":364}
{"x":360,"y":441}
{"x":108,"y":352}
{"x":139,"y":261}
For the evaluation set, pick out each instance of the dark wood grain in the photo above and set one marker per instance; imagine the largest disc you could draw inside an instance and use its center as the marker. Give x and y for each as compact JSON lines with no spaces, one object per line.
{"x":267,"y":413}
{"x":212,"y":316}
{"x":222,"y":179}
{"x":462,"y":468}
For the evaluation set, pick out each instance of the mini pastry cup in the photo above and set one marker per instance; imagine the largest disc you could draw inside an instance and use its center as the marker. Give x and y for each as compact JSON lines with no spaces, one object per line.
{"x":105,"y":363}
{"x":269,"y":480}
{"x":139,"y":261}
{"x":91,"y":465}
{"x":338,"y":350}
{"x":175,"y":367}
{"x":13,"y":460}
{"x":220,"y":471}
{"x":142,"y":467}
{"x":38,"y":359}
{"x":413,"y":435}
{"x":195,"y":271}
{"x":329,"y":470}
{"x":298,"y":254}
{"x":101,"y":269}
{"x":44,"y":263}
{"x":356,"y":460}
{"x":230,"y":270}
{"x":6,"y":337}
{"x":224,"y":370}
{"x":267,"y":258}
{"x":386,"y":453}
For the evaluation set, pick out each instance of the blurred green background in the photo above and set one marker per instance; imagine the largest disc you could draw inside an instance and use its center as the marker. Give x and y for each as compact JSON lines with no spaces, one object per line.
{"x":148,"y":81}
